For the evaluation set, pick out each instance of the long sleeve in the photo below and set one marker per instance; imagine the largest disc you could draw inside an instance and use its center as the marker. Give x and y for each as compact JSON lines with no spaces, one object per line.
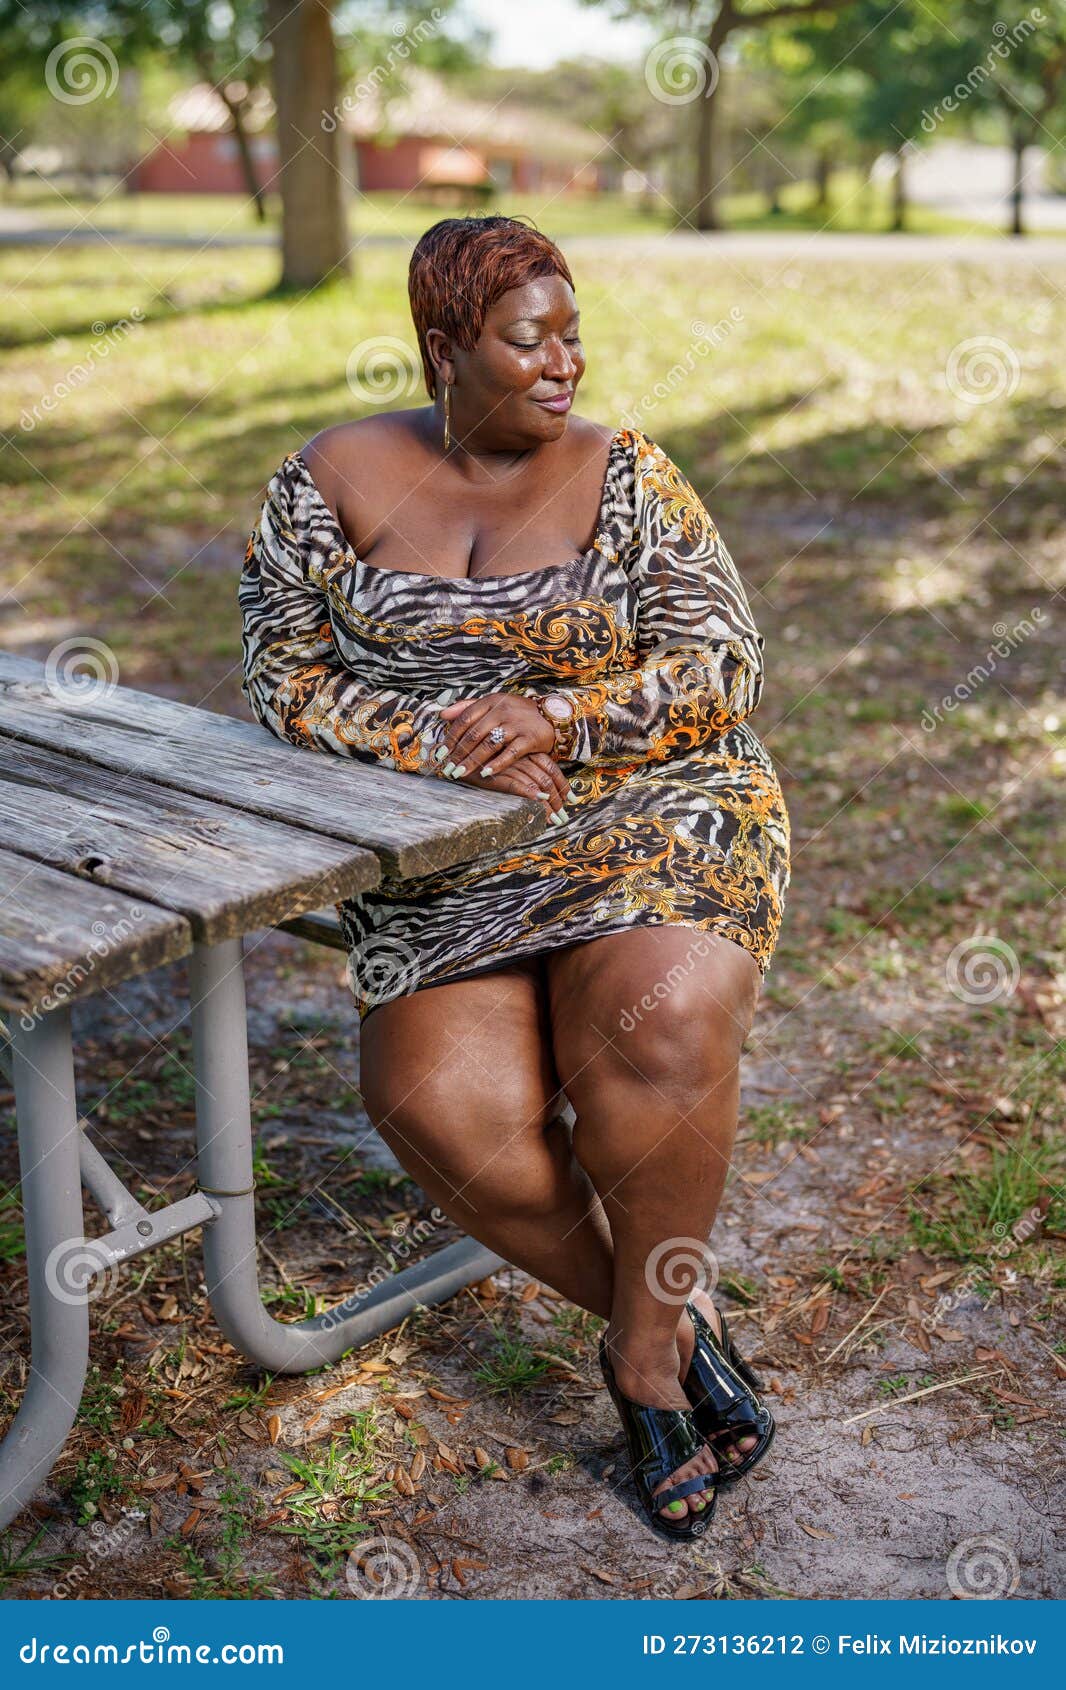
{"x":294,"y":680}
{"x":699,"y":664}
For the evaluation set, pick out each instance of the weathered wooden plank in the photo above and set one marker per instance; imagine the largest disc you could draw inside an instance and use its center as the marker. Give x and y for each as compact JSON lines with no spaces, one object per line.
{"x":63,"y":938}
{"x":226,"y":871}
{"x":320,"y":928}
{"x":413,"y":823}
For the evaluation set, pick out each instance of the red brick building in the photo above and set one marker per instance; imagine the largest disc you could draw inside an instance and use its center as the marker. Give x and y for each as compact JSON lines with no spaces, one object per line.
{"x":426,"y":138}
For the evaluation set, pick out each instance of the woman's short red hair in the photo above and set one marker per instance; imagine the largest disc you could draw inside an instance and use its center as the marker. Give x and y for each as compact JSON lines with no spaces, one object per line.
{"x":463,"y":265}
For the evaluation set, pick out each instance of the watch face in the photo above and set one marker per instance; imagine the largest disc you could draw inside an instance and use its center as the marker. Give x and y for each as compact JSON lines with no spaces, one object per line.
{"x":559,"y":709}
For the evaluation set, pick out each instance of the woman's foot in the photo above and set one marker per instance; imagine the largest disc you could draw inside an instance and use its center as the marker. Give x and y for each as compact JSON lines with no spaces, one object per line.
{"x":733,"y":1452}
{"x":653,"y":1380}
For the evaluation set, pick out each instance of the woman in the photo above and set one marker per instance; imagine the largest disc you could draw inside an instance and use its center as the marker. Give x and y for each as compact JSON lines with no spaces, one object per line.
{"x":492,"y":590}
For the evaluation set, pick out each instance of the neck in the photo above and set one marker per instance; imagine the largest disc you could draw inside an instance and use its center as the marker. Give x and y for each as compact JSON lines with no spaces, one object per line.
{"x":469,"y":456}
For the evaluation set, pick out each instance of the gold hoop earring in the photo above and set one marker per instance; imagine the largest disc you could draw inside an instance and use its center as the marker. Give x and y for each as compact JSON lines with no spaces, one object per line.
{"x":447,"y":415}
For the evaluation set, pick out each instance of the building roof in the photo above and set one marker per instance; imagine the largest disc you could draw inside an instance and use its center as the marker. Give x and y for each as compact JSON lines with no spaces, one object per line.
{"x":424,"y":107}
{"x":429,"y":108}
{"x":200,"y":108}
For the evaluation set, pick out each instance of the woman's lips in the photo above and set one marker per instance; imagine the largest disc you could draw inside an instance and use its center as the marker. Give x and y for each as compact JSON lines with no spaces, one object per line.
{"x":558,"y":402}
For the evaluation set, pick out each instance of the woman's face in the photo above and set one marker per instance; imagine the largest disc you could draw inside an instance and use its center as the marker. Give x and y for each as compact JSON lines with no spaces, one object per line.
{"x":516,"y":387}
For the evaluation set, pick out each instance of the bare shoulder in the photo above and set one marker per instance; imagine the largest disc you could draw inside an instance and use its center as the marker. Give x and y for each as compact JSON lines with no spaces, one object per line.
{"x":351,"y":456}
{"x":587,"y":445}
{"x":587,"y":435}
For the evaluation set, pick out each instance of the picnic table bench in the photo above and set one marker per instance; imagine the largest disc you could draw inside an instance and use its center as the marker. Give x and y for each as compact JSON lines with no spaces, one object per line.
{"x":135,"y":831}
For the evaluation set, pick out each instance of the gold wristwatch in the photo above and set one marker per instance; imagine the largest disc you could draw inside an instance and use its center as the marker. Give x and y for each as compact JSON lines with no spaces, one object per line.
{"x":559,"y":711}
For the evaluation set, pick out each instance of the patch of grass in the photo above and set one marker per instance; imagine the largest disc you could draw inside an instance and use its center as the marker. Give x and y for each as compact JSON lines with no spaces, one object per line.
{"x":577,"y":1325}
{"x":739,"y":1287}
{"x":964,"y":1217}
{"x":20,"y":1560}
{"x":12,"y":1232}
{"x":250,"y":1398}
{"x":336,"y":1483}
{"x":227,"y":1573}
{"x":772,"y":1124}
{"x":512,"y":1366}
{"x":101,"y":1399}
{"x":98,"y":1476}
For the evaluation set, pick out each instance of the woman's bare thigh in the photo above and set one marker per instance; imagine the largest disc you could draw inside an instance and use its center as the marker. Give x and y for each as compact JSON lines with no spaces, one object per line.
{"x":665,"y":989}
{"x":459,"y":1070}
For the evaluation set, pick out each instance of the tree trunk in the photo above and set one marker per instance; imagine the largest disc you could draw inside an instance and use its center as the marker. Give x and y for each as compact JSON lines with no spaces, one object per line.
{"x":244,"y":153}
{"x":899,"y":193}
{"x":704,"y":214}
{"x":314,"y":234}
{"x":823,"y":168}
{"x":1017,"y":192}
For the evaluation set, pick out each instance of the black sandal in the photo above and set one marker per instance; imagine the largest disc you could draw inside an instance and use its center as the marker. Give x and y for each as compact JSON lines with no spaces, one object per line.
{"x":660,"y":1440}
{"x":722,"y":1389}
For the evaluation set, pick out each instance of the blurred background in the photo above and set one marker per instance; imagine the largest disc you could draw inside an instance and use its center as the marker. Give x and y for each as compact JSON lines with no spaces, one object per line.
{"x":820,"y":248}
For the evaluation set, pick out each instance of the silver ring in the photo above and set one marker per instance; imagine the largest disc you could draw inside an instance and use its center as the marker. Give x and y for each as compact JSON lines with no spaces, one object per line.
{"x":497,"y":736}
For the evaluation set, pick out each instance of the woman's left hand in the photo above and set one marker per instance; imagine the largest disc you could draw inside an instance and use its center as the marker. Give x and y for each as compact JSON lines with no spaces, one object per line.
{"x":470,"y":721}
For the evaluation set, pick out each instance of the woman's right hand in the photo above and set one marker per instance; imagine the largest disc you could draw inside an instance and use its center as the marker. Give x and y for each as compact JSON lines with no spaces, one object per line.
{"x":536,"y":775}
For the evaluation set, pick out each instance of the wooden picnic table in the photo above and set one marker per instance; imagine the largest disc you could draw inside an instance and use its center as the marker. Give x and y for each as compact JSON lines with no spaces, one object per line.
{"x":135,"y":831}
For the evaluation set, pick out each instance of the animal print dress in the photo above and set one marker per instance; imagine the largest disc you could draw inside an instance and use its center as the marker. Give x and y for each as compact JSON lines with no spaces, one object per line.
{"x":677,"y":814}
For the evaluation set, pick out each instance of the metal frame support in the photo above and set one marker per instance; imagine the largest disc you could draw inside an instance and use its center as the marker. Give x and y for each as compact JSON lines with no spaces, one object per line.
{"x":56,"y":1158}
{"x":224,"y":1139}
{"x":43,"y":1072}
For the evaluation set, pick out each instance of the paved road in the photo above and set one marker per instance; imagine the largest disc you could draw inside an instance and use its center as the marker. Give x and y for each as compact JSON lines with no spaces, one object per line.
{"x":17,"y":230}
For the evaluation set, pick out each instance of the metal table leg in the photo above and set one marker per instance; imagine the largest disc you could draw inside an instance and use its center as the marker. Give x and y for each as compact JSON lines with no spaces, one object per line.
{"x":224,"y":1139}
{"x":57,"y":1258}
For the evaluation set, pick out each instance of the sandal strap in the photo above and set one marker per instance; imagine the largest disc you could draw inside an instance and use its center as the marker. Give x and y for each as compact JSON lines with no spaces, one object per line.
{"x":687,"y":1487}
{"x":718,"y":1359}
{"x":660,"y":1440}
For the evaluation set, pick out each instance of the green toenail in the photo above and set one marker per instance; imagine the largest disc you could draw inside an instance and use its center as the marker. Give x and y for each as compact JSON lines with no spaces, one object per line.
{"x":674,"y":1507}
{"x":699,"y":1502}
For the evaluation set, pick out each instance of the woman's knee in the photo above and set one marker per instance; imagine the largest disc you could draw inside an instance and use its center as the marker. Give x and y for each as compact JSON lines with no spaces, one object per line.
{"x":683,"y":1045}
{"x":484,"y":1142}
